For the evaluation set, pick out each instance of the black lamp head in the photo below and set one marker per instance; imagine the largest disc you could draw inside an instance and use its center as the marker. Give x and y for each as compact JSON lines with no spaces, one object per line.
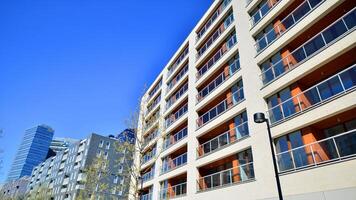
{"x":259,"y":117}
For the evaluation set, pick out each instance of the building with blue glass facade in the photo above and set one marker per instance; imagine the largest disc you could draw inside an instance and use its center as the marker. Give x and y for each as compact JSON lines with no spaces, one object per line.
{"x":32,"y":151}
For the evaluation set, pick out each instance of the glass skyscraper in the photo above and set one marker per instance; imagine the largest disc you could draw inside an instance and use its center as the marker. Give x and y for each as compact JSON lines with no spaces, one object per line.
{"x":32,"y":151}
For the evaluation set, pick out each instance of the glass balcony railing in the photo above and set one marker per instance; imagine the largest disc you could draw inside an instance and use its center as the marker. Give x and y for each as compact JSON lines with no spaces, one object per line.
{"x":174,"y":117}
{"x":212,"y":19}
{"x":287,"y":23}
{"x":169,"y":165}
{"x":171,"y":140}
{"x":223,"y":106}
{"x":262,"y":11}
{"x":220,"y":79}
{"x":323,"y":91}
{"x":227,"y":177}
{"x":179,"y":76}
{"x":154,"y":90}
{"x":153,"y":105}
{"x":177,"y":96}
{"x":331,"y":149}
{"x":150,"y":137}
{"x":328,"y":36}
{"x":148,"y":175}
{"x":173,"y":191}
{"x":230,"y":136}
{"x":146,"y":196}
{"x":215,"y":35}
{"x":224,"y":49}
{"x":148,"y":156}
{"x":178,"y":61}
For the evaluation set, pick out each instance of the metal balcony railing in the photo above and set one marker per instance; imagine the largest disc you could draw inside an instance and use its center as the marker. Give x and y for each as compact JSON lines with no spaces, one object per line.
{"x":219,"y":109}
{"x":176,"y":96}
{"x":171,"y":140}
{"x":263,"y":10}
{"x":304,"y":9}
{"x":153,"y":105}
{"x":238,"y":133}
{"x":177,"y":78}
{"x":178,"y":61}
{"x":155,"y":89}
{"x":327,"y":150}
{"x":148,"y":156}
{"x":169,"y":165}
{"x":150,"y":138}
{"x":220,"y":79}
{"x":174,"y":117}
{"x":148,"y":175}
{"x":314,"y":45}
{"x":319,"y":93}
{"x":146,"y":196}
{"x":216,"y":57}
{"x":227,"y":177}
{"x":173,"y":191}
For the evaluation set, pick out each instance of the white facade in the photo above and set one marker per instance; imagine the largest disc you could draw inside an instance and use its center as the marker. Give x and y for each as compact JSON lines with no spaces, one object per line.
{"x":327,"y":177}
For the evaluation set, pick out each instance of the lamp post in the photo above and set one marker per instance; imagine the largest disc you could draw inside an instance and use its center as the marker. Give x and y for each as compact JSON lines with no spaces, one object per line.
{"x":260,"y":118}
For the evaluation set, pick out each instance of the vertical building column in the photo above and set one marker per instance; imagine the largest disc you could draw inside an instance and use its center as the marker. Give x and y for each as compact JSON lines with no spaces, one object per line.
{"x":262,"y":156}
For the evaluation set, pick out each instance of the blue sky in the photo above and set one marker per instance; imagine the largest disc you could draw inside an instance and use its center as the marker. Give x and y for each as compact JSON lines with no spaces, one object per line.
{"x":80,"y":65}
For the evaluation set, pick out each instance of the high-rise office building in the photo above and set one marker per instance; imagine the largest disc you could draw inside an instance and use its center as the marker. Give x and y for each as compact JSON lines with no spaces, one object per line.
{"x":32,"y":151}
{"x":65,"y":175}
{"x":295,"y":61}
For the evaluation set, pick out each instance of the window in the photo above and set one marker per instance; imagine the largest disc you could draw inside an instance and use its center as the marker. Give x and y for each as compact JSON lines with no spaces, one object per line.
{"x":107,"y":145}
{"x":101,"y":144}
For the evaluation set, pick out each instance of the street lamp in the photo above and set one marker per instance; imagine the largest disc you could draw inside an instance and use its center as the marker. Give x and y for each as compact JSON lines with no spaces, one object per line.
{"x":260,"y":118}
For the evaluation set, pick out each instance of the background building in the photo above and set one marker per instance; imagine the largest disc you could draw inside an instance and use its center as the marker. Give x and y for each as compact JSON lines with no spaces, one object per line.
{"x":15,"y":189}
{"x":60,"y":144}
{"x":64,"y":175}
{"x":32,"y":151}
{"x":294,"y":61}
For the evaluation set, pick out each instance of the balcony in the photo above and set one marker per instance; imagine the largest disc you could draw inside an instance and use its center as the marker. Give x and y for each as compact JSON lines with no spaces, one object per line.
{"x":176,"y":96}
{"x":227,"y":72}
{"x":148,"y":175}
{"x":153,"y":105}
{"x":177,"y":115}
{"x":221,"y":107}
{"x":280,"y":27}
{"x":177,"y":78}
{"x":237,"y":168}
{"x":149,"y":155}
{"x":224,"y":48}
{"x":173,"y":191}
{"x":224,"y":25}
{"x":231,"y":136}
{"x":173,"y":139}
{"x":154,"y":90}
{"x":324,"y":91}
{"x":146,"y":196}
{"x":335,"y":31}
{"x":176,"y":63}
{"x":152,"y":121}
{"x":212,"y":19}
{"x":150,"y":138}
{"x":262,"y":10}
{"x":174,"y":161}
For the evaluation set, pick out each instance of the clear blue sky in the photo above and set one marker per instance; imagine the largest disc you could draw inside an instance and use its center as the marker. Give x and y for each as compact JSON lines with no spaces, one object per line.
{"x":80,"y":65}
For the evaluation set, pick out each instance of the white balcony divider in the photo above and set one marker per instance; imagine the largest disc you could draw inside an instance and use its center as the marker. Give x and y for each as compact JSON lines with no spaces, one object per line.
{"x":177,"y":78}
{"x":176,"y":96}
{"x":227,"y":22}
{"x":315,"y":95}
{"x":212,"y":19}
{"x":314,"y":45}
{"x":174,"y":191}
{"x":263,"y":11}
{"x":174,"y":163}
{"x":304,"y":9}
{"x":220,"y":79}
{"x":239,"y":132}
{"x":174,"y":117}
{"x":222,"y":51}
{"x":220,"y":108}
{"x":331,"y":149}
{"x":176,"y":138}
{"x":239,"y":174}
{"x":178,"y":61}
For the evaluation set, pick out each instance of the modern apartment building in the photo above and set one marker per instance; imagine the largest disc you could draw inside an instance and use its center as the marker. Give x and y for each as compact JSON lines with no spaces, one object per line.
{"x":65,"y":175}
{"x":295,"y":61}
{"x":32,"y":151}
{"x":15,"y":189}
{"x":60,"y":144}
